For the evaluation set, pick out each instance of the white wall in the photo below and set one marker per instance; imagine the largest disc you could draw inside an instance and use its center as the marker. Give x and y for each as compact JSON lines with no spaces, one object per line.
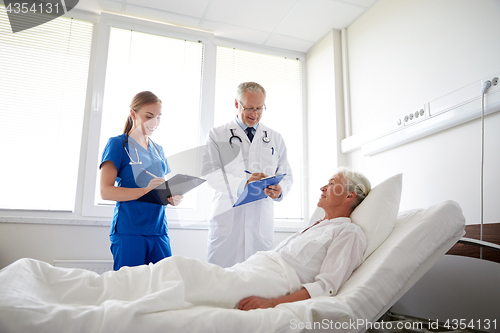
{"x":51,"y":242}
{"x":403,"y":54}
{"x":325,"y":126}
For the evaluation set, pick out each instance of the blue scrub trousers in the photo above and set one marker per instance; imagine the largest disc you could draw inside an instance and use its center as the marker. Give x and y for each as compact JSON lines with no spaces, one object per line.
{"x":135,"y":250}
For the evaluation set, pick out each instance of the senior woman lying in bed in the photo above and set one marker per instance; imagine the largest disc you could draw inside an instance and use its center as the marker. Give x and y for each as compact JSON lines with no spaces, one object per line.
{"x":313,"y":262}
{"x":326,"y":253}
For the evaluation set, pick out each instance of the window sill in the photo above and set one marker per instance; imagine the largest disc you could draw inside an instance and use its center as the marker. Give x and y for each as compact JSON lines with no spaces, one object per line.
{"x":79,"y":221}
{"x":54,"y":221}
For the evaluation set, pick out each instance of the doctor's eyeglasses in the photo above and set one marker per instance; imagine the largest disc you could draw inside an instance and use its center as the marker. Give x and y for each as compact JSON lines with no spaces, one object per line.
{"x":251,"y":110}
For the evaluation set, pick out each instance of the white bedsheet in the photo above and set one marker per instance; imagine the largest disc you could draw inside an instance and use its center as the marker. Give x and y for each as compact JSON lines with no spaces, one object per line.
{"x":31,"y":301}
{"x":36,"y":297}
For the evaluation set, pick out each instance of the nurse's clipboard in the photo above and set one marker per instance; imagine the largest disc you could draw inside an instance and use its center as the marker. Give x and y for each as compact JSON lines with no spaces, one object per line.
{"x":255,"y":190}
{"x":177,"y":185}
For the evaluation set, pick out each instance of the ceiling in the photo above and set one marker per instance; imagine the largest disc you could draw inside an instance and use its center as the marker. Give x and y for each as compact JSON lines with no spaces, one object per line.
{"x":287,"y":24}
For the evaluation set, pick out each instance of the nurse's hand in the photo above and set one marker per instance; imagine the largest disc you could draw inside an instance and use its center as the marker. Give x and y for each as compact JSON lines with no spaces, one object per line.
{"x":273,"y":191}
{"x":175,"y":200}
{"x":155,"y":182}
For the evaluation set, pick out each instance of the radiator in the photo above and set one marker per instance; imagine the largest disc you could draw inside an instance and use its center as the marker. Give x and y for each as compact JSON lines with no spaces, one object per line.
{"x":98,"y":266}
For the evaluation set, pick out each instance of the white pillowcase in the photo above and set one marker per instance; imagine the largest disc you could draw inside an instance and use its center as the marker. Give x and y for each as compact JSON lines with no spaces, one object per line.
{"x":378,"y":212}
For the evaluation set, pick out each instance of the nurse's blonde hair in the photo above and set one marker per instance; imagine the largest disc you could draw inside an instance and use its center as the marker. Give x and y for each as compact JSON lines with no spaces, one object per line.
{"x":139,"y":100}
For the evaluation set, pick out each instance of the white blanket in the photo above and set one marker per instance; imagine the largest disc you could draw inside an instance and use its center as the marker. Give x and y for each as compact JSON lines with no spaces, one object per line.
{"x":36,"y":297}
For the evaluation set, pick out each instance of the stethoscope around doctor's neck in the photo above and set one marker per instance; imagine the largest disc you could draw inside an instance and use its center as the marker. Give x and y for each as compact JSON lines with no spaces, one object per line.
{"x":132,"y":162}
{"x":265,"y":138}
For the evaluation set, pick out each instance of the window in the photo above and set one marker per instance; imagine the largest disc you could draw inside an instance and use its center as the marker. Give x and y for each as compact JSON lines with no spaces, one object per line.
{"x":282,"y":79}
{"x":63,"y":89}
{"x":141,"y":59}
{"x":171,"y":69}
{"x":44,"y":73}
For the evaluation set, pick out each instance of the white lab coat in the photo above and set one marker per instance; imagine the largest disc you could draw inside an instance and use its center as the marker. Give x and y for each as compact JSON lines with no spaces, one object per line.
{"x":237,"y":233}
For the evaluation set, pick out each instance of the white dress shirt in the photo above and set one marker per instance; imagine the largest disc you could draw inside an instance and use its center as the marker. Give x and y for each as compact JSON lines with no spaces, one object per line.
{"x":326,"y":253}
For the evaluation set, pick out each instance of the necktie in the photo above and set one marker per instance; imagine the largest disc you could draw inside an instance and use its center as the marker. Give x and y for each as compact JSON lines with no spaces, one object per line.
{"x":249,"y":133}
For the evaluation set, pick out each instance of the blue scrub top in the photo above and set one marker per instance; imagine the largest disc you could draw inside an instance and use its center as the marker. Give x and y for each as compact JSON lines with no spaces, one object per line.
{"x":136,"y":217}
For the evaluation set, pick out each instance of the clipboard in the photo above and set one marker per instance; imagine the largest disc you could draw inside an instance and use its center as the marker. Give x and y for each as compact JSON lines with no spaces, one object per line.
{"x":255,"y":190}
{"x":177,"y":185}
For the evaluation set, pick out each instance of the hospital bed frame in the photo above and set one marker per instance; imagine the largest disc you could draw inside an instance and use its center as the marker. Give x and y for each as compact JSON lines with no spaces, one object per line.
{"x":397,"y":322}
{"x":421,"y":270}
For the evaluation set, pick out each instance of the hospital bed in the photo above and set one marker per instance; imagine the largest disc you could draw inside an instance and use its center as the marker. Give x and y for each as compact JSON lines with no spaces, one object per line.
{"x":401,"y":248}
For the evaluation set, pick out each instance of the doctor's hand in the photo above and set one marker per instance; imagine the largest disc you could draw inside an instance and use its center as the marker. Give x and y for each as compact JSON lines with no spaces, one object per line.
{"x":273,"y":191}
{"x":256,"y":176}
{"x":175,"y":200}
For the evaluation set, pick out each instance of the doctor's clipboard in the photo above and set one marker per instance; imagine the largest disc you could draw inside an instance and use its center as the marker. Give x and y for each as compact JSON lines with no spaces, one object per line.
{"x":177,"y":185}
{"x":255,"y":190}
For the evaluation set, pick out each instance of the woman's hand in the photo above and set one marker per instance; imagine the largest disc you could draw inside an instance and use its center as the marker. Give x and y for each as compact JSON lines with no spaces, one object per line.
{"x":254,"y":302}
{"x":155,"y":182}
{"x":111,"y":192}
{"x":175,"y":200}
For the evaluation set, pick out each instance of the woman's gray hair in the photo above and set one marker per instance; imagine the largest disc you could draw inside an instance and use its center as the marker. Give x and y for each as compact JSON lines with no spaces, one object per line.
{"x":253,"y":87}
{"x":356,"y":182}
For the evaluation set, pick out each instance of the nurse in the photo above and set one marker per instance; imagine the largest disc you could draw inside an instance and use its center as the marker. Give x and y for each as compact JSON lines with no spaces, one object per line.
{"x":139,"y":231}
{"x":237,"y":233}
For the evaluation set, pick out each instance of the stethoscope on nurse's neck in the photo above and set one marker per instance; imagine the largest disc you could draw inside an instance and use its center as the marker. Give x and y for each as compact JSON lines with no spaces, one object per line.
{"x":265,"y":138}
{"x":132,"y":162}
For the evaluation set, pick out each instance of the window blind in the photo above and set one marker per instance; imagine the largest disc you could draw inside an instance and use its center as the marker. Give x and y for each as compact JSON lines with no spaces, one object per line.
{"x":43,"y":84}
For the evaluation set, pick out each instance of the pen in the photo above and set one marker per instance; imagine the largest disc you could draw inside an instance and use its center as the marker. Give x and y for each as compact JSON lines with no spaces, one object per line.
{"x":149,"y":173}
{"x":248,"y":172}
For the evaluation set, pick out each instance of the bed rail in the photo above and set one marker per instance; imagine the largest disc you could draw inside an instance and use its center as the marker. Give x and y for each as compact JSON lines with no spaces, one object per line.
{"x":483,"y":244}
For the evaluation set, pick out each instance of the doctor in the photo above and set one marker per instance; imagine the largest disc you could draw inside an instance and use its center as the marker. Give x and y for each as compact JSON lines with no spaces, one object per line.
{"x":258,"y":152}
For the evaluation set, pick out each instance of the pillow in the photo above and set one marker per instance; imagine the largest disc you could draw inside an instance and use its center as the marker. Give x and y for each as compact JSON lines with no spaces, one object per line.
{"x":377,"y":214}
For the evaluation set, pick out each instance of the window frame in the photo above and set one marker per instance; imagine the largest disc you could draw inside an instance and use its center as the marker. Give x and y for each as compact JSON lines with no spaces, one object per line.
{"x":85,"y":211}
{"x":194,"y":217}
{"x":281,"y":224}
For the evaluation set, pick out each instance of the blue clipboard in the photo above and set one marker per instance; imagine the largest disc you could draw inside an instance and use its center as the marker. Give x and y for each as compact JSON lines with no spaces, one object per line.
{"x":255,"y":190}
